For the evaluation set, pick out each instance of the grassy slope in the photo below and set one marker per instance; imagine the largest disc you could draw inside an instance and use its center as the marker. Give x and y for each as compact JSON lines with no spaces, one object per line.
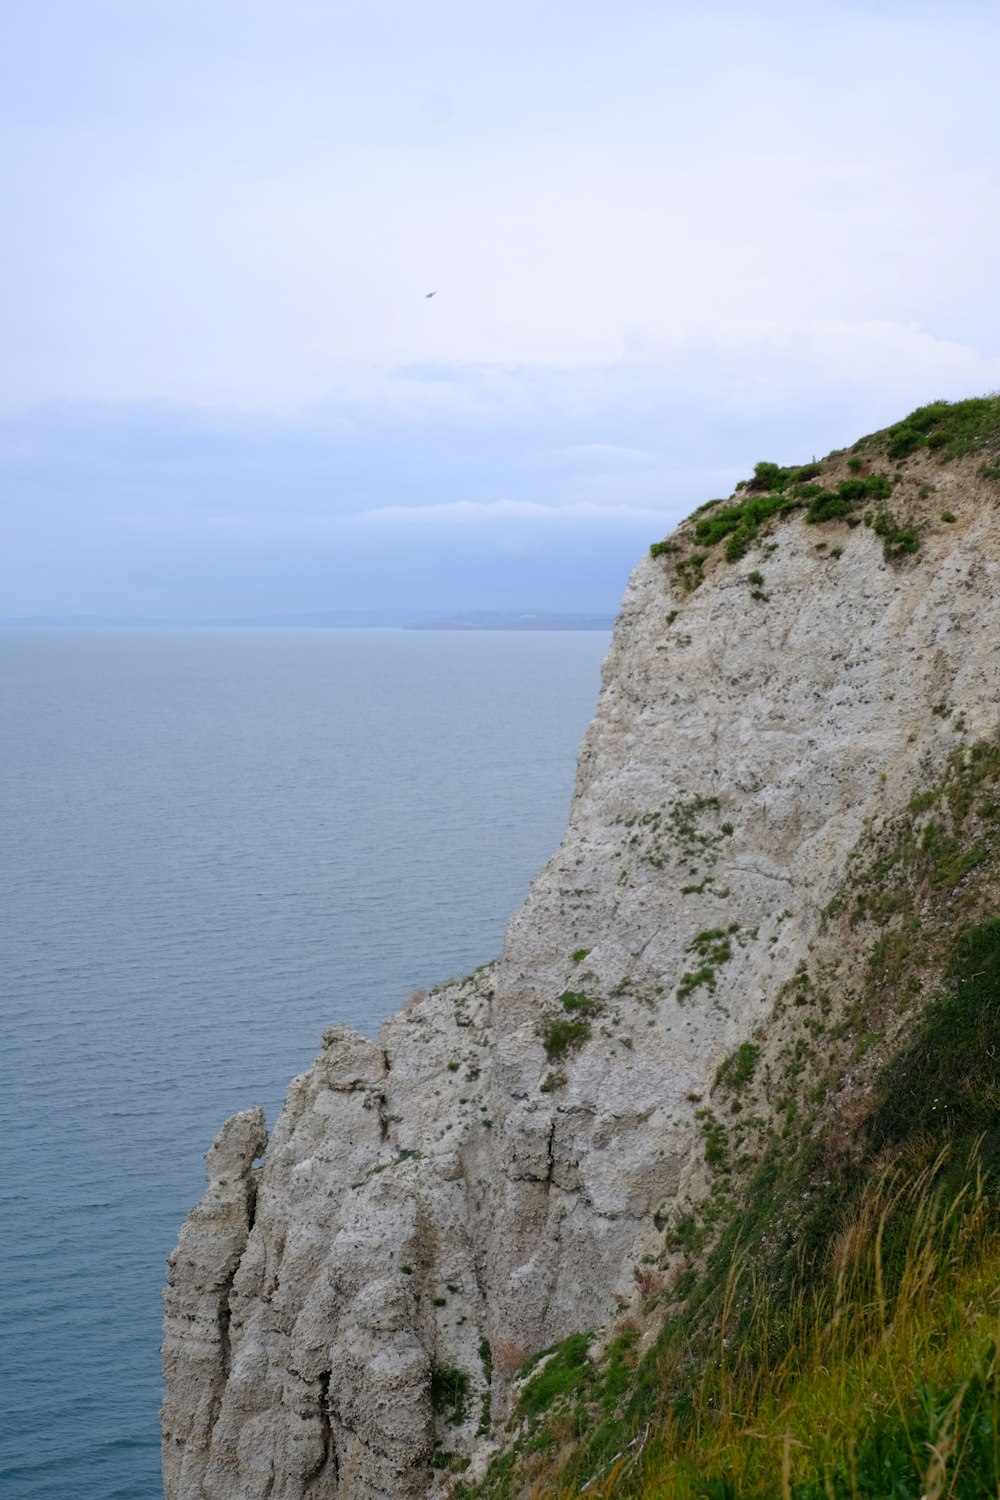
{"x":831,"y":1320}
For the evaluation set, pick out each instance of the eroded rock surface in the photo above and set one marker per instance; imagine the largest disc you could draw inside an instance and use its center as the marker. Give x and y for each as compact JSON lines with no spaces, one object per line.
{"x":483,"y":1181}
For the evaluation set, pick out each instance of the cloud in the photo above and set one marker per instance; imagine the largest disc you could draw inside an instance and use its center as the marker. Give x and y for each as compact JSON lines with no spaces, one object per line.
{"x":504,"y":512}
{"x":159,"y":508}
{"x":255,"y":224}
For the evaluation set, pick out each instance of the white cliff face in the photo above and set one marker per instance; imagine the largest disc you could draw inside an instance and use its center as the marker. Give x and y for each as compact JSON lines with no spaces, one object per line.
{"x":431,"y":1207}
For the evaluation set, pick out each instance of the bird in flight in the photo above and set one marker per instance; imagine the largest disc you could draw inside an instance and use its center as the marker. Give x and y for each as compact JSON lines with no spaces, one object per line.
{"x":430,"y":294}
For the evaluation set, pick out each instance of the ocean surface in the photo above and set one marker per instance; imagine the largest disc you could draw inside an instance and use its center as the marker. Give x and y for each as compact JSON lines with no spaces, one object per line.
{"x":215,"y":843}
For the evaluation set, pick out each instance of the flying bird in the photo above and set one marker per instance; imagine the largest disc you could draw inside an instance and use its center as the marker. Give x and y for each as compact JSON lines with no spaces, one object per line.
{"x":430,"y":294}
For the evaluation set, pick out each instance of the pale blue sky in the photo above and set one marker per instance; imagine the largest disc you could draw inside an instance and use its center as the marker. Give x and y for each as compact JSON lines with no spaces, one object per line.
{"x":667,"y":242}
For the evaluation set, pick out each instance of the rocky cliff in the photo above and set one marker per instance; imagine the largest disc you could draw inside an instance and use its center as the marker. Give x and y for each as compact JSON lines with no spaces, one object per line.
{"x":786,"y":674}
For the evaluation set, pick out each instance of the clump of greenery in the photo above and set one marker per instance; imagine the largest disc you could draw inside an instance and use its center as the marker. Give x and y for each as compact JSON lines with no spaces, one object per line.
{"x":713,"y":946}
{"x":691,"y":570}
{"x":450,"y":1393}
{"x":566,"y":1369}
{"x":576,"y":1001}
{"x":560,"y":1036}
{"x":831,"y":505}
{"x":948,"y":516}
{"x":739,"y":524}
{"x":898,"y":540}
{"x":948,"y":428}
{"x":563,"y":1034}
{"x":738,"y":1068}
{"x":579,"y":954}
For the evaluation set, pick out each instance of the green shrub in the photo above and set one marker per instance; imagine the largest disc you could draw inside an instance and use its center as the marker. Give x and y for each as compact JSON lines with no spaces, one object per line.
{"x":561,"y":1036}
{"x":739,"y":524}
{"x":768,"y":476}
{"x":904,"y":441}
{"x":897,"y":539}
{"x":878,"y":487}
{"x":826,"y":506}
{"x":573,"y":1000}
{"x":690,"y":570}
{"x":450,"y":1393}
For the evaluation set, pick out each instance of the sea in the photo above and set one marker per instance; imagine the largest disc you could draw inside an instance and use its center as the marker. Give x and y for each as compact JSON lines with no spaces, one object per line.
{"x":215,"y":843}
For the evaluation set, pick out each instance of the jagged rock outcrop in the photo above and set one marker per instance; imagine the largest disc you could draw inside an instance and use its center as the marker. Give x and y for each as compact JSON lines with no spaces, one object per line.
{"x":488,"y":1177}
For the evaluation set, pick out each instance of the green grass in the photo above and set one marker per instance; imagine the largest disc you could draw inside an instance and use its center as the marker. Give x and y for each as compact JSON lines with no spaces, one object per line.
{"x":882,"y":1382}
{"x":948,"y":428}
{"x":833,"y":1325}
{"x":561,"y":1036}
{"x":566,"y":1370}
{"x":738,"y":1068}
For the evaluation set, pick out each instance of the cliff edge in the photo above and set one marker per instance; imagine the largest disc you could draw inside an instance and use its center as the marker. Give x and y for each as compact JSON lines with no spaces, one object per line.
{"x":788,"y":672}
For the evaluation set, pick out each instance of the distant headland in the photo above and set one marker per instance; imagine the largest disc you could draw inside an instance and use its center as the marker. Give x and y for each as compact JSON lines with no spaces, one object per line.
{"x":398,"y":619}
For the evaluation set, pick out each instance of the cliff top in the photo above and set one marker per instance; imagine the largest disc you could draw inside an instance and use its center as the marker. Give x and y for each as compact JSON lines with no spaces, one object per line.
{"x":889,"y":481}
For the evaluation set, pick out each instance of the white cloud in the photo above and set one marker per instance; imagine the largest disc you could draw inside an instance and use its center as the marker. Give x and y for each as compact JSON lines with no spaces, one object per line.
{"x":260,"y":228}
{"x":504,"y":512}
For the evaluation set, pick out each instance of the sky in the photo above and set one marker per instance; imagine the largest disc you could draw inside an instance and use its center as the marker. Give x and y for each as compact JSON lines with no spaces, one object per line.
{"x":665,"y":242}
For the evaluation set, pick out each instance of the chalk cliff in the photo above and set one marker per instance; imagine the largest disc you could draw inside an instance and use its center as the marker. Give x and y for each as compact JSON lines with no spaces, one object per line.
{"x":487,"y":1178}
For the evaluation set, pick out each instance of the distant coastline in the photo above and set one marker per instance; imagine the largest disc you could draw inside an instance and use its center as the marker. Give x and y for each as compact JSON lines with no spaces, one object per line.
{"x":398,"y":619}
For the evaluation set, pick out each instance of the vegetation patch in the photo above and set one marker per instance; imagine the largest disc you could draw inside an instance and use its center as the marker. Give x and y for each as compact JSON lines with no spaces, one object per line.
{"x":567,"y":1369}
{"x":561,"y":1036}
{"x":738,"y":1069}
{"x":898,"y":538}
{"x":450,"y":1393}
{"x":691,"y":570}
{"x":832,"y":1327}
{"x":739,"y":524}
{"x":714,"y":947}
{"x":949,"y":429}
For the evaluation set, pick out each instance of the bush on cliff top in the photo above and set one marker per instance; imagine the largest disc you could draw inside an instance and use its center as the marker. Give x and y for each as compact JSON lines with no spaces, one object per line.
{"x":947,"y":428}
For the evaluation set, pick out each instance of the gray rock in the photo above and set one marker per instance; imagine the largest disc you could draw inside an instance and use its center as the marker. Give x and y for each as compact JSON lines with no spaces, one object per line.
{"x":408,"y":1209}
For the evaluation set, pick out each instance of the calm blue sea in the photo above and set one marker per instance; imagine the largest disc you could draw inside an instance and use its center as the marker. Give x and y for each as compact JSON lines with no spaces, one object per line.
{"x":214,"y":844}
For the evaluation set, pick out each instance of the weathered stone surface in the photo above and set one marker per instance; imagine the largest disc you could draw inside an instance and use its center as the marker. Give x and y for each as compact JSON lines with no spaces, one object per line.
{"x":454,"y":1184}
